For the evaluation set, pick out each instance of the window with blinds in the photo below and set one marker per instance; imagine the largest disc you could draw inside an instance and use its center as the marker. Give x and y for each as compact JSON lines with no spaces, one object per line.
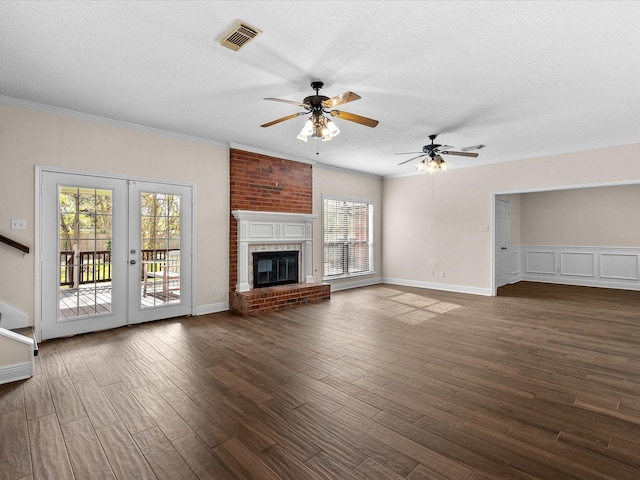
{"x":347,"y":237}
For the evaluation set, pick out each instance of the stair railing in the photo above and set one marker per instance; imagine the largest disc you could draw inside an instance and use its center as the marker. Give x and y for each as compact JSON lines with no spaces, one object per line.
{"x":14,"y":244}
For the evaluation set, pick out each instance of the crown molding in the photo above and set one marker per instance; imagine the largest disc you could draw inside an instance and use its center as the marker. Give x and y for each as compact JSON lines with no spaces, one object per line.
{"x":347,"y":170}
{"x":269,"y":153}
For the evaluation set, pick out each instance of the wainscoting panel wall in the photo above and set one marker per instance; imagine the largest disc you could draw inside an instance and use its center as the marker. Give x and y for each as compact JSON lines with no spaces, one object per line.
{"x":619,"y":266}
{"x":515,"y":265}
{"x":578,"y":264}
{"x":589,"y":266}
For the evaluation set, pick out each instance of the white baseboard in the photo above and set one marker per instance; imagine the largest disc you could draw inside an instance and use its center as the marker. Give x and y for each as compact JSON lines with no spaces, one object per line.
{"x":439,"y":286}
{"x":13,"y":373}
{"x":212,"y":308}
{"x":346,"y":285}
{"x":579,"y":282}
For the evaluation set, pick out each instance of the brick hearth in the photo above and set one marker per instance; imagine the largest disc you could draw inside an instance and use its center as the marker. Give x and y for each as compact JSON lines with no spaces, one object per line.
{"x":276,"y":298}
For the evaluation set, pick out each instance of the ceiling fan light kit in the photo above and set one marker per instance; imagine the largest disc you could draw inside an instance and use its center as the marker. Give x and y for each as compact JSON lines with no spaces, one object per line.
{"x":318,"y":125}
{"x":434,"y":164}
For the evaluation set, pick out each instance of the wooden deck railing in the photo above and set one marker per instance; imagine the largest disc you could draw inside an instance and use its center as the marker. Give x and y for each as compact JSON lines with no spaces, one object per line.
{"x":14,"y":244}
{"x":91,"y":267}
{"x":94,"y":267}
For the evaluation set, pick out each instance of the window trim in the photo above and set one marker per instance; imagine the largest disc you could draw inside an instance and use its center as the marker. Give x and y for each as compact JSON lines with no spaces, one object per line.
{"x":343,"y":198}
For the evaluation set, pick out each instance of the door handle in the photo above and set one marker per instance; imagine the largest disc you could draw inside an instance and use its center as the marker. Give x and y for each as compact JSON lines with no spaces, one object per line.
{"x":132,"y":262}
{"x":503,"y":248}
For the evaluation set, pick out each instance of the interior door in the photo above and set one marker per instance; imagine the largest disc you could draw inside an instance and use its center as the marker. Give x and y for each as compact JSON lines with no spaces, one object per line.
{"x":113,"y":252}
{"x":503,"y":242}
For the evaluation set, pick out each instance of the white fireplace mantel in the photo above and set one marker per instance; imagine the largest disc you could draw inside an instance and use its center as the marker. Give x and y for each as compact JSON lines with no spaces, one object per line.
{"x":273,"y":227}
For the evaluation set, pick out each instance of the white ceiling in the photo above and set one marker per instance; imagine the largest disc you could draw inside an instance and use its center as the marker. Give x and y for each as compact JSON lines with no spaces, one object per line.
{"x":525,"y":78}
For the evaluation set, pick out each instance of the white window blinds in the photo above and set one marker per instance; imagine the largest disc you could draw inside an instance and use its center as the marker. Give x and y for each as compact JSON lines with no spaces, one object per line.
{"x":347,"y":238}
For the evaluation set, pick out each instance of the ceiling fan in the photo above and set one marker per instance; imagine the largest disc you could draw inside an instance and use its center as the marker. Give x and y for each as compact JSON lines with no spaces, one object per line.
{"x":433,"y":152}
{"x":317,"y":105}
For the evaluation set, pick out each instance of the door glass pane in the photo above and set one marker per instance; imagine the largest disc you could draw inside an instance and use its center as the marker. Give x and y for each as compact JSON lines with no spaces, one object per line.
{"x":85,"y":225}
{"x":160,"y":248}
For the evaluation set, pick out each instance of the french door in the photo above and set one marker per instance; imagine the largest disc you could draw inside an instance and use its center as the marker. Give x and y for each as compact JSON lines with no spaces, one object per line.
{"x":114,"y":252}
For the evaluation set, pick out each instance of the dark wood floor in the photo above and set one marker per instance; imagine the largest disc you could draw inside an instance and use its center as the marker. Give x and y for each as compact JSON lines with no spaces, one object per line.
{"x":381,"y":382}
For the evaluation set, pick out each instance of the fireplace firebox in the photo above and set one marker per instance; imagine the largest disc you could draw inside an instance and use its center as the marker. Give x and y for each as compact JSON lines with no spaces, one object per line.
{"x":275,"y":268}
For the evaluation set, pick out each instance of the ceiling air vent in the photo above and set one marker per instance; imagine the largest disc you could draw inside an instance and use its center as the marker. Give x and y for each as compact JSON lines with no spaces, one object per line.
{"x":238,"y":35}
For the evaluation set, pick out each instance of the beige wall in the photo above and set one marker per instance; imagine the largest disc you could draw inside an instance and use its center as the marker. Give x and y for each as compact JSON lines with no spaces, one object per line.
{"x":29,"y":137}
{"x":333,"y":181}
{"x":438,"y":226}
{"x":13,"y":352}
{"x":595,"y":217}
{"x":435,"y":223}
{"x":590,"y":216}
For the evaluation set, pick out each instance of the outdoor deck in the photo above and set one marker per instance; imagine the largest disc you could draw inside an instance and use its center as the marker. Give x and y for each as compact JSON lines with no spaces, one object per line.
{"x":95,"y":299}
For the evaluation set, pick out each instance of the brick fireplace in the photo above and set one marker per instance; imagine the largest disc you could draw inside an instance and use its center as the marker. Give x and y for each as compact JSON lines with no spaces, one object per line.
{"x":271,"y":204}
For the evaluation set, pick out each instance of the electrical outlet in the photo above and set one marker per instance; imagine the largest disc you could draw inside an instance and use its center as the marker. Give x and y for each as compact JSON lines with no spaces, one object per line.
{"x":441,"y":274}
{"x":433,"y":273}
{"x":215,"y":289}
{"x":18,"y":224}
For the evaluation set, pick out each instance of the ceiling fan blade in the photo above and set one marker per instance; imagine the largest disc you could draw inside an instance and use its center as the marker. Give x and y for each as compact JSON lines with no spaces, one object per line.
{"x":407,"y":161}
{"x":291,"y":102}
{"x":460,"y":154}
{"x":352,"y":117}
{"x":341,"y":99}
{"x":473,"y":147}
{"x":288,"y":117}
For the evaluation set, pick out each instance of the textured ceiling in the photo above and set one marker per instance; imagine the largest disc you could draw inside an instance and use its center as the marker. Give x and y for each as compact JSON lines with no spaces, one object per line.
{"x":524,"y":78}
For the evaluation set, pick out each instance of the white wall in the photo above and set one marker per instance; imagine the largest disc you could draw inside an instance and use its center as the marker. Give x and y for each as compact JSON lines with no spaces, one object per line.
{"x":327,"y":180}
{"x":440,"y":228}
{"x":30,"y":137}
